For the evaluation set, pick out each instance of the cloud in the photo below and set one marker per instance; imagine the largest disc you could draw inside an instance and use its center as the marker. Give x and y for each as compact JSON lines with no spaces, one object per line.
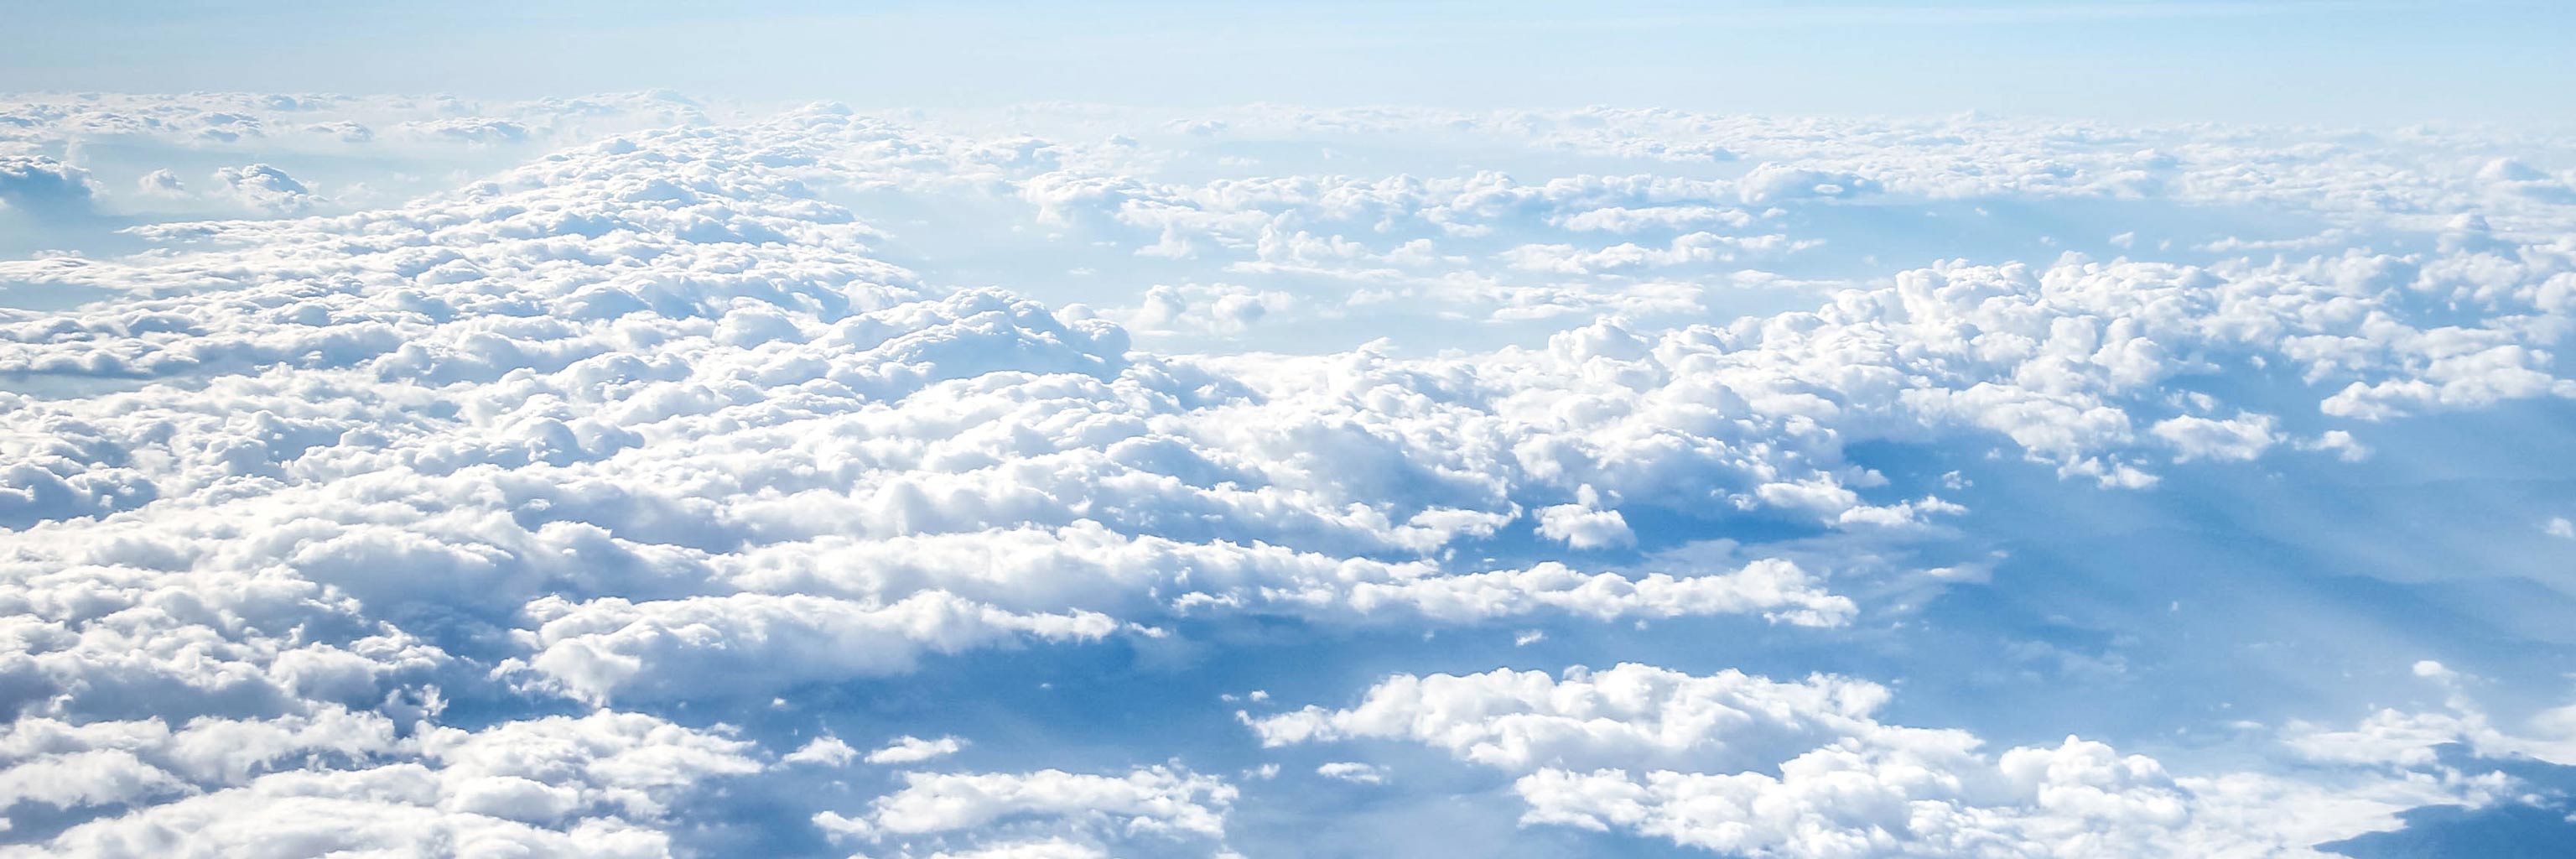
{"x":266,"y":189}
{"x":469,"y":130}
{"x":1049,"y":848}
{"x":1742,"y":764}
{"x":1772,"y":183}
{"x":161,"y":183}
{"x":1631,"y":714}
{"x":823,"y":751}
{"x":44,"y":186}
{"x":650,"y":431}
{"x":2415,"y":738}
{"x":1219,"y":309}
{"x":1583,"y":525}
{"x":1778,"y":590}
{"x":595,"y":785}
{"x":912,"y":750}
{"x":1146,"y":805}
{"x":590,"y":501}
{"x":1353,"y":772}
{"x":759,"y":643}
{"x":1690,"y":249}
{"x":1621,"y":219}
{"x":2238,"y":439}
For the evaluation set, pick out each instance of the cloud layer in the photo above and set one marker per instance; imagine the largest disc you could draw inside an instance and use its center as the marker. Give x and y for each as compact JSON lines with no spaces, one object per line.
{"x":507,"y":519}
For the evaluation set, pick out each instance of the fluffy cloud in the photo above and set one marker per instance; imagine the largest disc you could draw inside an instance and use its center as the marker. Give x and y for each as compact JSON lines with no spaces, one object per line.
{"x":1747,"y":765}
{"x":652,"y":422}
{"x":264,"y":188}
{"x":1219,"y":309}
{"x":1583,"y":524}
{"x":44,"y":186}
{"x":912,"y":750}
{"x":2415,"y":737}
{"x":762,"y":642}
{"x":339,"y":781}
{"x":729,"y":425}
{"x":1150,"y":804}
{"x":2237,"y":439}
{"x":823,"y":751}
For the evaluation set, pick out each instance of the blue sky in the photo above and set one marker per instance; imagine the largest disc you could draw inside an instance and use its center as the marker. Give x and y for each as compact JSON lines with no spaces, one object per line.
{"x":2374,"y":63}
{"x":1785,"y":431}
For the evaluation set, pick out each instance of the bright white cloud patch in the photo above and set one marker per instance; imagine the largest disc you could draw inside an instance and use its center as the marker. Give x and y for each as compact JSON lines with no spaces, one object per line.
{"x":707,"y":644}
{"x":1157,"y":805}
{"x":913,"y":750}
{"x":1353,"y":772}
{"x":822,"y":751}
{"x":339,"y":781}
{"x":1741,"y":764}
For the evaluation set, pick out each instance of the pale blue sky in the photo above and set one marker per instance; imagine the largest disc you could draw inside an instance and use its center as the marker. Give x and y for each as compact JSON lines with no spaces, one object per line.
{"x":2373,"y":63}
